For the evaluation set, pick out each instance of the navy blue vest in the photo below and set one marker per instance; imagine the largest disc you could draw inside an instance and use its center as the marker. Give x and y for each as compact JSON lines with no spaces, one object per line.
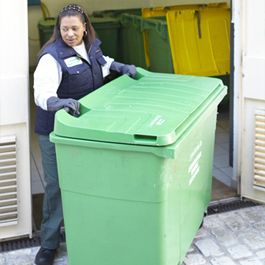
{"x":77,"y":80}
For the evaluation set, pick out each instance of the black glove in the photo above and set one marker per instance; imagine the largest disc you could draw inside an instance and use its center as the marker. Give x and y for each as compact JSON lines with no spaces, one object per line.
{"x":54,"y":104}
{"x":121,"y":68}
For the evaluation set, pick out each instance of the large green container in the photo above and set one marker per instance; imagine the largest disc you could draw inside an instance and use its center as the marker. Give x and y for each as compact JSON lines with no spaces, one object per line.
{"x":46,"y":26}
{"x":132,"y":40}
{"x":108,"y":27}
{"x":108,"y":30}
{"x":226,"y":82}
{"x":135,"y":169}
{"x":158,"y":45}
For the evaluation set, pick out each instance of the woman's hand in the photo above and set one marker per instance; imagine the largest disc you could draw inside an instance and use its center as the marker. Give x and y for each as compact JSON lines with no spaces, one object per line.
{"x":121,"y":68}
{"x":54,"y":104}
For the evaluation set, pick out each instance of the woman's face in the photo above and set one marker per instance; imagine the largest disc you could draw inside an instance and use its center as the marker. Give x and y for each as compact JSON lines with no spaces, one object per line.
{"x":72,"y":30}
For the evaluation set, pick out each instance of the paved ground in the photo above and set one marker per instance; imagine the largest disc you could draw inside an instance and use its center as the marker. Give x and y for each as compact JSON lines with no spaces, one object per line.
{"x":236,"y":237}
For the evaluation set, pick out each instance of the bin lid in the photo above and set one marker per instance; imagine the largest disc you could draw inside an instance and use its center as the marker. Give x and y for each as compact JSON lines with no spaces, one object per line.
{"x":104,"y":22}
{"x":197,"y":48}
{"x":47,"y":23}
{"x":153,"y":109}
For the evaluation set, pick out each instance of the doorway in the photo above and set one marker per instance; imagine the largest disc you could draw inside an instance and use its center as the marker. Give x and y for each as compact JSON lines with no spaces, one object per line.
{"x":37,"y":176}
{"x":223,"y":184}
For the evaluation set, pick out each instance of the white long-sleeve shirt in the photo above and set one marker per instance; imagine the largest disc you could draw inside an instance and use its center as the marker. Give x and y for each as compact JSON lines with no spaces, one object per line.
{"x":48,"y":75}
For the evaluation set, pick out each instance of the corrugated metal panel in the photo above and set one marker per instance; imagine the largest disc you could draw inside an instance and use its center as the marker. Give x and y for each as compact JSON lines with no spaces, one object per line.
{"x":259,"y":150}
{"x":8,"y":181}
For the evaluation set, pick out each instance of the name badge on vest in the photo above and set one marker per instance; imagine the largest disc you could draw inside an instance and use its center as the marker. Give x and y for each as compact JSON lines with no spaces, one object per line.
{"x":73,"y":61}
{"x":105,"y":70}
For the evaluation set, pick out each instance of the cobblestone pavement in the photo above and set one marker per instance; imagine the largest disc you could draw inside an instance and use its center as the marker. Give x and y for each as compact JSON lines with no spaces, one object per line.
{"x":236,"y":237}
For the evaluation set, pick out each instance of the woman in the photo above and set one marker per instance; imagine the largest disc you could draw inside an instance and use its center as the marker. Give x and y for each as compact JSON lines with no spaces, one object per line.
{"x":70,"y":66}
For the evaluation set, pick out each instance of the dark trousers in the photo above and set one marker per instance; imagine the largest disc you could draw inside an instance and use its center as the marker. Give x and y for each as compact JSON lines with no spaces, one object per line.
{"x":52,"y":202}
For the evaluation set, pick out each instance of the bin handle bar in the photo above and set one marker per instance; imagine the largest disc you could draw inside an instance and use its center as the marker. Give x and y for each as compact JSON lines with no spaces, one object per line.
{"x":199,"y":24}
{"x":145,"y":138}
{"x":49,"y":18}
{"x":136,"y":22}
{"x":82,"y":110}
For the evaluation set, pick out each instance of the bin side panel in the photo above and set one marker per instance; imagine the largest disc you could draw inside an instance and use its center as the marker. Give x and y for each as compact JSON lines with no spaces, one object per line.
{"x":200,"y":41}
{"x":194,"y":171}
{"x":159,"y":48}
{"x":134,"y":231}
{"x":119,"y":174}
{"x":114,"y":232}
{"x":108,"y":32}
{"x":132,"y":40}
{"x":220,"y":41}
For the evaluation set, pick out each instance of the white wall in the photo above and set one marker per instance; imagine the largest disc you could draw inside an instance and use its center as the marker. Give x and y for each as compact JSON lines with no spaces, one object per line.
{"x":14,"y":112}
{"x":237,"y":20}
{"x":254,"y":37}
{"x":252,"y":93}
{"x":14,"y":62}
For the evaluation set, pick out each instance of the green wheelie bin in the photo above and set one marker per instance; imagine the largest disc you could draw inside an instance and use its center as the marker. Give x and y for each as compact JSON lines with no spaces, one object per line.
{"x":132,"y":40}
{"x":45,"y":27}
{"x":135,"y":168}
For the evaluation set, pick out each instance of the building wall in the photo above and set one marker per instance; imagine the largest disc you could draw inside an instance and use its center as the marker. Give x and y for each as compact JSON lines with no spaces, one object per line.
{"x":252,"y":100}
{"x":15,"y":192}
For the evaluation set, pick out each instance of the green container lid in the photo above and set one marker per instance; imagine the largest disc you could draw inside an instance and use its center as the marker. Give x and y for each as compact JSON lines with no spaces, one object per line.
{"x":117,"y":12}
{"x":47,"y":23}
{"x":153,"y":109}
{"x":46,"y":27}
{"x":104,"y":22}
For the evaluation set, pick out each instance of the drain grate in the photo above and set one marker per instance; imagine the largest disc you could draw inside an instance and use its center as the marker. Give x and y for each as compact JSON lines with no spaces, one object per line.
{"x":19,"y":244}
{"x":24,"y":243}
{"x":229,"y":206}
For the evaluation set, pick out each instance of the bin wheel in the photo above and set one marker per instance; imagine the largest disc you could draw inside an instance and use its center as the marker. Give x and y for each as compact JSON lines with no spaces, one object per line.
{"x":204,"y":214}
{"x":201,"y":225}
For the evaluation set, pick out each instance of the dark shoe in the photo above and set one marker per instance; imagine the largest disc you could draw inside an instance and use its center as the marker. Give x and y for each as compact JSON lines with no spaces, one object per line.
{"x":45,"y":256}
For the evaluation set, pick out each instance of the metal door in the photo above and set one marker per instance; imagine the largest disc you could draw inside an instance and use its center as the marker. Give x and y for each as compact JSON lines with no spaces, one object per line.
{"x":252,"y":100}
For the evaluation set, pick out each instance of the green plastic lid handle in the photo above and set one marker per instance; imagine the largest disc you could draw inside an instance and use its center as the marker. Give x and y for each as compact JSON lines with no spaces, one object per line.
{"x":125,"y":20}
{"x":83,"y":110}
{"x":198,"y":23}
{"x":141,"y":73}
{"x":160,"y":26}
{"x":137,"y":21}
{"x":162,"y":29}
{"x":142,"y":25}
{"x":49,"y":18}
